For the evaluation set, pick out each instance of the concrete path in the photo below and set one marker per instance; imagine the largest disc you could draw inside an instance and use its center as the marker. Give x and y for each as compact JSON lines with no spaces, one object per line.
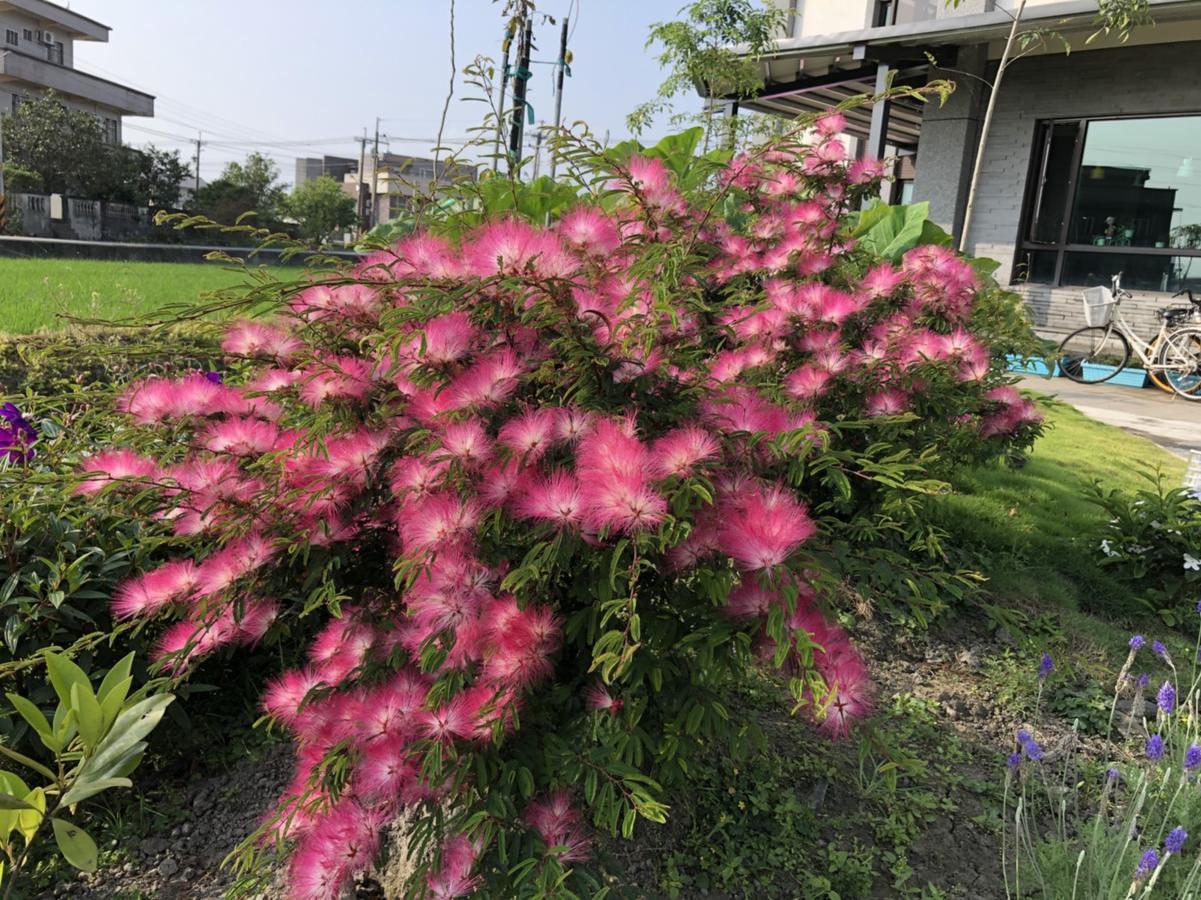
{"x":1166,"y":419}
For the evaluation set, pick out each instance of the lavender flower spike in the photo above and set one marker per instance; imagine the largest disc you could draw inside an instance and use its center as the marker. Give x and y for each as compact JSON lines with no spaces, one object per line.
{"x":1155,"y":748}
{"x":1192,"y":759}
{"x":1147,"y":864}
{"x":1166,"y":699}
{"x":1174,"y":842}
{"x":1014,"y":760}
{"x":1137,"y":642}
{"x":1046,"y":667}
{"x":1161,"y":651}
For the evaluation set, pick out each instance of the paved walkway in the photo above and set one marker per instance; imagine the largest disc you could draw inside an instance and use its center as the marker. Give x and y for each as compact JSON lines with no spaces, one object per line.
{"x":1169,"y":421}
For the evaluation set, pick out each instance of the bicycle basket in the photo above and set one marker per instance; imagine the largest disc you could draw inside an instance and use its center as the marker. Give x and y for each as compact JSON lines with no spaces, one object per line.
{"x":1098,"y":306}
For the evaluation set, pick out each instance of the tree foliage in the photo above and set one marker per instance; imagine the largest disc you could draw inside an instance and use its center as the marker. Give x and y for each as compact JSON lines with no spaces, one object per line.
{"x":321,"y":207}
{"x":246,"y":187}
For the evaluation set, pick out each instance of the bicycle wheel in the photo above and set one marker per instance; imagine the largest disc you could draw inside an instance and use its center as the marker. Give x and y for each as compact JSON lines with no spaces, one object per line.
{"x":1157,"y":377}
{"x":1180,"y":359}
{"x":1093,"y":355}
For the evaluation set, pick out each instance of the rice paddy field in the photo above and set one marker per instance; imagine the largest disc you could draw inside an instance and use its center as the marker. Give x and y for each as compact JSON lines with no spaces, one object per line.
{"x":47,"y":294}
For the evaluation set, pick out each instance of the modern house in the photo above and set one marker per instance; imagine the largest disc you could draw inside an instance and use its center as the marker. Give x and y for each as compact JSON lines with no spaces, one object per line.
{"x":1093,"y":165}
{"x":37,"y":53}
{"x":388,"y":192}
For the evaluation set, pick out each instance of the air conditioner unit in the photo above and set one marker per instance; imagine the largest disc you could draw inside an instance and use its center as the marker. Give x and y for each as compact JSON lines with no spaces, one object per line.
{"x":48,"y":38}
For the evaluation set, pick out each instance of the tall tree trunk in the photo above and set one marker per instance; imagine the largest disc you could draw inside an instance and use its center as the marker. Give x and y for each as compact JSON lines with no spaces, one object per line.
{"x":974,"y":185}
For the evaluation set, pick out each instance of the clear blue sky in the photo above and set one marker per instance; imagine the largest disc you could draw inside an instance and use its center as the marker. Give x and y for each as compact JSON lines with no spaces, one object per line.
{"x":262,"y":74}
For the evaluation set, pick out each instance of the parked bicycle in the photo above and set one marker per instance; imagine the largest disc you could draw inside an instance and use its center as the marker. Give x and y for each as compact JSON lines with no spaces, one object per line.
{"x":1102,"y":349}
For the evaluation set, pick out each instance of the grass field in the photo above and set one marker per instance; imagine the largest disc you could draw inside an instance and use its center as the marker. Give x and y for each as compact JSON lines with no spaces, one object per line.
{"x":36,"y":294}
{"x":1036,"y":525}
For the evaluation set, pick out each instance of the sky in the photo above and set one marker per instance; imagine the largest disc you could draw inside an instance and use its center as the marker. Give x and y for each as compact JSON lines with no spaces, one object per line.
{"x":295,"y":78}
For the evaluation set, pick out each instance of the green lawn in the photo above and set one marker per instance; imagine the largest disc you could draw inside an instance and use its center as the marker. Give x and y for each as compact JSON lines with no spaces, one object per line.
{"x":1035,"y":525}
{"x":34,"y":294}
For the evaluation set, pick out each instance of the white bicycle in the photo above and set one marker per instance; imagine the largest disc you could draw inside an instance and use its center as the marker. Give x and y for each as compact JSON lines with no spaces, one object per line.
{"x":1102,"y":349}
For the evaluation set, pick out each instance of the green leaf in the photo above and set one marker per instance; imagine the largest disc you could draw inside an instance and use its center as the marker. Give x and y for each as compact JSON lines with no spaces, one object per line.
{"x":8,"y":801}
{"x":63,"y":675}
{"x":124,"y":740}
{"x":76,"y":846}
{"x":111,"y":703}
{"x":91,"y":719}
{"x":889,"y":231}
{"x":30,"y":713}
{"x":27,"y":762}
{"x":83,"y":789}
{"x":115,"y":677}
{"x":28,"y":821}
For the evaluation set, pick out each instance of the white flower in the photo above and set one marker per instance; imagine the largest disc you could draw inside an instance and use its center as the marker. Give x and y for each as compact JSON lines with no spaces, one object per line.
{"x":1108,"y":550}
{"x":1191,"y":562}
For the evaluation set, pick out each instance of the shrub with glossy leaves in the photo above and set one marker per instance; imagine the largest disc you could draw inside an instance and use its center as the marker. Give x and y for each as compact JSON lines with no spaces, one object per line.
{"x":543,"y":493}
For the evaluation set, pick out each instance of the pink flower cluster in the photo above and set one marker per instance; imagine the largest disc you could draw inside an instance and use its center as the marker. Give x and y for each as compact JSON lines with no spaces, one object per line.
{"x":447,"y":406}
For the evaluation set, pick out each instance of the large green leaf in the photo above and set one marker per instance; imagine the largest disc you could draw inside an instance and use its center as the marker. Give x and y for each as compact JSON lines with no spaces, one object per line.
{"x":75,"y":844}
{"x":677,"y":150}
{"x":115,"y":676}
{"x":63,"y":675}
{"x":125,"y":738}
{"x":83,"y":789}
{"x":889,"y":231}
{"x":87,"y":711}
{"x":30,"y":713}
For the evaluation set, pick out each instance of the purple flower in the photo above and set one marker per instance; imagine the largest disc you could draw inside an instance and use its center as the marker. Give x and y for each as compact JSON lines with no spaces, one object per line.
{"x":1192,"y":758}
{"x":1046,"y":667}
{"x":1015,"y":760}
{"x":1199,"y":601}
{"x":1174,"y":842}
{"x":17,"y":436}
{"x":1166,"y":699}
{"x":1161,"y":651}
{"x":214,"y":377}
{"x":1033,"y":751}
{"x":1024,"y":737}
{"x":1113,"y":774}
{"x":1143,"y":680}
{"x":1147,"y":864}
{"x":1137,"y":642}
{"x":1155,"y":748}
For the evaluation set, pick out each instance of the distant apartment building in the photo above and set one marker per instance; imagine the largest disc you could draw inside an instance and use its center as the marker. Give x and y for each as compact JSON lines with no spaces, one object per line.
{"x":37,"y":53}
{"x":1093,"y":165}
{"x":390,"y":191}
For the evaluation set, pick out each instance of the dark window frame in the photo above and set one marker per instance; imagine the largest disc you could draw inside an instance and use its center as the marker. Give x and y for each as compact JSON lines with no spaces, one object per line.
{"x":1061,"y":247}
{"x":12,"y":37}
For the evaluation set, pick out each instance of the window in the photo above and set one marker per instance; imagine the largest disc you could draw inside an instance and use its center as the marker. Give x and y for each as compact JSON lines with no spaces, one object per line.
{"x":1116,"y":195}
{"x":54,"y":52}
{"x":28,"y":34}
{"x":11,"y":36}
{"x":904,"y":12}
{"x":111,"y":128}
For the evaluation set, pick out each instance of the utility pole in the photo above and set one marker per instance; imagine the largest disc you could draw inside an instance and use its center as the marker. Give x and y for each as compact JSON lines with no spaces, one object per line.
{"x":361,"y":205}
{"x":1,"y":158}
{"x":375,"y":175}
{"x":538,"y":147}
{"x":199,"y":141}
{"x":520,"y":84}
{"x":562,"y":65}
{"x":514,"y":25}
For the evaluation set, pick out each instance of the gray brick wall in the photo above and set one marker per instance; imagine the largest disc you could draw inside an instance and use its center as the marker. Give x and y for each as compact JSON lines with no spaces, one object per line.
{"x":1156,"y":79}
{"x":1057,"y":311}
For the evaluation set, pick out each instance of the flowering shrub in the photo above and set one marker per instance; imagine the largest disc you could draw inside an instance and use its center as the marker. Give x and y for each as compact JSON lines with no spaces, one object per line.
{"x":1152,"y":544}
{"x":1122,"y":830}
{"x":541,"y":494}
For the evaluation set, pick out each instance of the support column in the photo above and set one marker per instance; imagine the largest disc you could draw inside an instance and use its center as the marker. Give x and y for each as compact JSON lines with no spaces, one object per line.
{"x":878,"y":135}
{"x":947,"y":148}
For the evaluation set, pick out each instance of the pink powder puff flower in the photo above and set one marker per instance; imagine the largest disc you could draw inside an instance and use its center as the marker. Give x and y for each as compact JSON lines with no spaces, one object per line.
{"x":500,"y":483}
{"x":649,"y":178}
{"x":340,"y":648}
{"x":761,"y":527}
{"x":240,"y":437}
{"x":613,"y":468}
{"x":571,"y":423}
{"x":807,"y":382}
{"x":235,"y":560}
{"x":865,"y":171}
{"x":385,"y":769}
{"x":891,"y":402}
{"x":335,"y":378}
{"x":286,"y":694}
{"x":160,"y":399}
{"x":881,"y":281}
{"x":554,"y":498}
{"x":116,"y":467}
{"x":153,"y":591}
{"x":750,"y":601}
{"x":445,"y":339}
{"x":268,"y":381}
{"x":560,"y":825}
{"x":466,"y":442}
{"x":678,"y":452}
{"x":416,"y":475}
{"x":437,"y":521}
{"x":255,"y":339}
{"x":830,"y":123}
{"x":512,"y":247}
{"x":588,"y":228}
{"x":453,"y":720}
{"x":530,"y":434}
{"x":848,"y":688}
{"x":598,"y":699}
{"x":488,"y":381}
{"x":425,"y":256}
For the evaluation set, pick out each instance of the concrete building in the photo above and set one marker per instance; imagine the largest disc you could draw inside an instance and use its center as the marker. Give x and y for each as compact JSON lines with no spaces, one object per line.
{"x":37,"y":53}
{"x":1093,"y":165}
{"x":390,"y":191}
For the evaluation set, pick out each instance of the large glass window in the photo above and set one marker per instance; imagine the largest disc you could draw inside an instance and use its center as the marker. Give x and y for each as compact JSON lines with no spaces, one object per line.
{"x":1110,"y":195}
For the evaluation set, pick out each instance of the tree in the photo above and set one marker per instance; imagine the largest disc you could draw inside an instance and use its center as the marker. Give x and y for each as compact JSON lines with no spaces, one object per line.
{"x":242,"y":188}
{"x":1116,"y":17}
{"x":320,"y":207}
{"x":149,"y":177}
{"x":54,"y":148}
{"x":716,"y":50}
